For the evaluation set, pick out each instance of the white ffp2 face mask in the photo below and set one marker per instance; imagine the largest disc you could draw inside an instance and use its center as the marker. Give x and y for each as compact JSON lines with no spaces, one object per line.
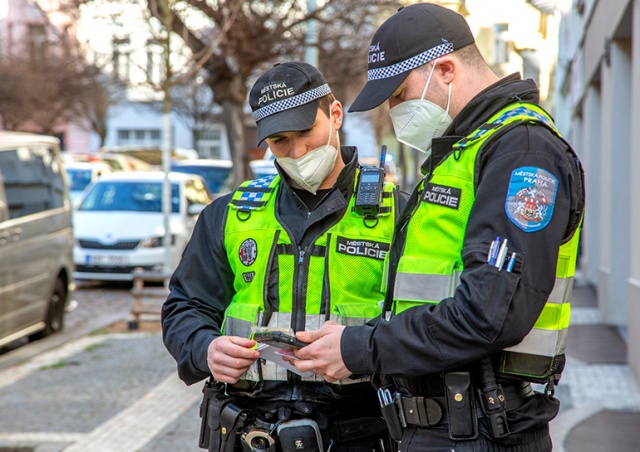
{"x":417,"y":121}
{"x":310,"y":170}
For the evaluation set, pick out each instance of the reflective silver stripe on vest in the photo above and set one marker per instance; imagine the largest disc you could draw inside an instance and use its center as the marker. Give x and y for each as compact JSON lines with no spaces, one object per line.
{"x":238,"y":327}
{"x":270,"y":370}
{"x":412,"y":286}
{"x":562,"y":291}
{"x":548,"y":342}
{"x":542,"y":343}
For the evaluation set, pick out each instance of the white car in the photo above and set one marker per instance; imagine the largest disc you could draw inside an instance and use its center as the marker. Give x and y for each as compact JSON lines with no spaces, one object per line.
{"x":81,"y":174}
{"x":119,"y":224}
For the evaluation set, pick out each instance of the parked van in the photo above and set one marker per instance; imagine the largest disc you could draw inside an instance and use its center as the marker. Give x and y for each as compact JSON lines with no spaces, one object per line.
{"x":36,"y":237}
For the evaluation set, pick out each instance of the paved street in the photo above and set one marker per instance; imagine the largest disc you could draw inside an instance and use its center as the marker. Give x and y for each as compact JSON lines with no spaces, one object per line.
{"x":104,"y":388}
{"x":96,"y":388}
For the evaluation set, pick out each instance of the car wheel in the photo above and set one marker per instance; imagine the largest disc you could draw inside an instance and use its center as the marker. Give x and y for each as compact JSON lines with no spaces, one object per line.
{"x":54,"y":322}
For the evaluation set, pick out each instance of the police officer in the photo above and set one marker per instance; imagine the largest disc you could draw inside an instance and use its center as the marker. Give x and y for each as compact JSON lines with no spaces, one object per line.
{"x":482,"y":265}
{"x":282,"y":252}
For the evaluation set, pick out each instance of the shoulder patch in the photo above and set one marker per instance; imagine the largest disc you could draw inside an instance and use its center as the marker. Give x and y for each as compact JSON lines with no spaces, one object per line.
{"x":531,"y":197}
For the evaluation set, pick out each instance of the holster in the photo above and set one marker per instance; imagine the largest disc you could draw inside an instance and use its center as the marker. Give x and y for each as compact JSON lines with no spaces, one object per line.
{"x":220,"y":420}
{"x":208,"y":392}
{"x":461,"y":406}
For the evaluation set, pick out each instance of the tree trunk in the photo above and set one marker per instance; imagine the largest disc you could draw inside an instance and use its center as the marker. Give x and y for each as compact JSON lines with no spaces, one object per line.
{"x":234,"y":122}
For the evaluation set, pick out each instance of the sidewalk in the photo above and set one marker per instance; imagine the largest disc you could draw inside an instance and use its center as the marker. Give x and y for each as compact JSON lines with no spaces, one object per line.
{"x":600,"y":397}
{"x":111,"y":392}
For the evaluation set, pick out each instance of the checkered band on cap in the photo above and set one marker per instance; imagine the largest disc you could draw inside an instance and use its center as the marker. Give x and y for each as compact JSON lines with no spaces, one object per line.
{"x":291,"y":102}
{"x":411,"y":63}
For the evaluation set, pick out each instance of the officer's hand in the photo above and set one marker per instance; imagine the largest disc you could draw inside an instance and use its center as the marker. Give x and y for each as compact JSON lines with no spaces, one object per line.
{"x":229,"y":357}
{"x":322,"y":356}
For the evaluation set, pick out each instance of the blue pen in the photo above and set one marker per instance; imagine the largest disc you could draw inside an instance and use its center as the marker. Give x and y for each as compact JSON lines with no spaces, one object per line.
{"x":512,"y":261}
{"x":493,"y":251}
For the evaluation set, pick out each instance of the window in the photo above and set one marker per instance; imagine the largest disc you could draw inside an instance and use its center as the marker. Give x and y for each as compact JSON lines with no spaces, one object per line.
{"x":123,"y":136}
{"x":33,"y":180}
{"x":155,"y":63}
{"x":129,"y":196}
{"x":121,"y":59}
{"x":37,"y":42}
{"x":209,"y":143}
{"x":140,"y":137}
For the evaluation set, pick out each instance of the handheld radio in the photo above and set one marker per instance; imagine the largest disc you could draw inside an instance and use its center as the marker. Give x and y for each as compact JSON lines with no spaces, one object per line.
{"x":369,"y":187}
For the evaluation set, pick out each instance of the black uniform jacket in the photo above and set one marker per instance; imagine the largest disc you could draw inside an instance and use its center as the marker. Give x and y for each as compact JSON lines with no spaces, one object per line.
{"x":477,"y":321}
{"x":201,"y":287}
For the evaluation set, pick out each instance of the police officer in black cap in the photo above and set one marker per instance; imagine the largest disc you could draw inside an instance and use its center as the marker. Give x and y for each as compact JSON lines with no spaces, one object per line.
{"x":282,"y":253}
{"x":482,"y":264}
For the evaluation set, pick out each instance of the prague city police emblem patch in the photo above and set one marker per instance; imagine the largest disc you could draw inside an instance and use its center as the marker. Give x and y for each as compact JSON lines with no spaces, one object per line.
{"x":531,"y":197}
{"x":248,"y":252}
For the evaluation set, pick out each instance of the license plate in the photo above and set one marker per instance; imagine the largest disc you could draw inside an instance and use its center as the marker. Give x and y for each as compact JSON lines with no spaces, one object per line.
{"x":99,"y":259}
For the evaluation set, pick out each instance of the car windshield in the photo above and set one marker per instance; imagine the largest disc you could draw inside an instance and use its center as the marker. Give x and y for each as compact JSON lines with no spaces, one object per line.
{"x":214,"y":177}
{"x":79,"y":178}
{"x":128,"y":196}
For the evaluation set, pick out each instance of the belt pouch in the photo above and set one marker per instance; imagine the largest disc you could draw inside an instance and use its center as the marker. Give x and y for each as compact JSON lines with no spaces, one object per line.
{"x":461,"y":406}
{"x":213,"y":402}
{"x":232,"y":419}
{"x":392,"y":419}
{"x":300,"y":435}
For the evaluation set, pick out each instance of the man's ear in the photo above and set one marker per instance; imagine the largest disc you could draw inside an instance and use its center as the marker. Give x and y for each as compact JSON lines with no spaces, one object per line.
{"x":446,"y":68}
{"x":337,"y":113}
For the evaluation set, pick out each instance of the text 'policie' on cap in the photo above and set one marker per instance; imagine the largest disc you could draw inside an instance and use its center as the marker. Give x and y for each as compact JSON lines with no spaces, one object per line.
{"x":285,"y":98}
{"x":413,"y":36}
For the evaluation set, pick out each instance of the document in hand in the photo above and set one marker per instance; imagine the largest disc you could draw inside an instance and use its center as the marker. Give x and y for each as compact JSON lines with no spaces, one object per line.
{"x":276,"y":355}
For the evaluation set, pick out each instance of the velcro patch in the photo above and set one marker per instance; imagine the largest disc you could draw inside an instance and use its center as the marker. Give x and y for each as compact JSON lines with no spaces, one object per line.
{"x":531,"y":197}
{"x":364,"y":248}
{"x":442,"y":195}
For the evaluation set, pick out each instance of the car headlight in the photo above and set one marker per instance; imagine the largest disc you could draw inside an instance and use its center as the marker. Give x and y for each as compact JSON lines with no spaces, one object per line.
{"x":155,"y":242}
{"x":151,"y":242}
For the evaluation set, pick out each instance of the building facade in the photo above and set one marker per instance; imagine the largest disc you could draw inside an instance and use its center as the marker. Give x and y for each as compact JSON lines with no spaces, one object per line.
{"x":121,"y":38}
{"x":598,"y":109}
{"x":28,"y":29}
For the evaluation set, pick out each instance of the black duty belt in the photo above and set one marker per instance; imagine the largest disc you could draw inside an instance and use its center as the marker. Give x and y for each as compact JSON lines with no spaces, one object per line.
{"x":432,"y":411}
{"x":351,"y":429}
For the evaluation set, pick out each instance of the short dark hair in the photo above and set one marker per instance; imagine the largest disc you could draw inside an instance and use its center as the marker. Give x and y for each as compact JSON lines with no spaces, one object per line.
{"x":471,"y":57}
{"x":325,"y":102}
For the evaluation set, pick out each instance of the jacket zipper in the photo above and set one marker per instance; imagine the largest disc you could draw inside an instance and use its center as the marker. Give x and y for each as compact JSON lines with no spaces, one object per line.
{"x":300,"y":278}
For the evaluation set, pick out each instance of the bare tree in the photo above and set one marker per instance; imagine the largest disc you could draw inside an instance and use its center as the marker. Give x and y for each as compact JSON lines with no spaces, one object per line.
{"x":244,"y":36}
{"x":193,"y":102}
{"x":231,"y":40}
{"x":98,"y":92}
{"x":40,"y":95}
